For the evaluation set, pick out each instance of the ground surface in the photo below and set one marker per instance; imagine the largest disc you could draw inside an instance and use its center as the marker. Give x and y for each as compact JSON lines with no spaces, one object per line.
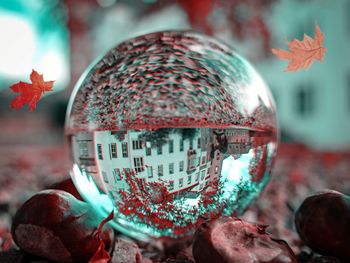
{"x":298,"y":172}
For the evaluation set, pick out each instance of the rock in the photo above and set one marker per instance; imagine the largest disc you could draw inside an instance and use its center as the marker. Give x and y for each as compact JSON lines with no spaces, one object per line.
{"x":12,"y":256}
{"x":20,"y":256}
{"x":324,"y":259}
{"x":146,"y":260}
{"x":126,"y":252}
{"x":179,"y":261}
{"x":179,"y":249}
{"x":322,"y":222}
{"x":305,"y":257}
{"x":231,"y":240}
{"x":54,"y":225}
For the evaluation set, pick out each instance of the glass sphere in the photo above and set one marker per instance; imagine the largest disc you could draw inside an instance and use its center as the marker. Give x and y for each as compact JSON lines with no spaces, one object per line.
{"x":170,"y":129}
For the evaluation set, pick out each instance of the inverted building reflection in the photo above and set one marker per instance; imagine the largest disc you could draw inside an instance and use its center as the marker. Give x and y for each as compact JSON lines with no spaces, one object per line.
{"x":185,"y":160}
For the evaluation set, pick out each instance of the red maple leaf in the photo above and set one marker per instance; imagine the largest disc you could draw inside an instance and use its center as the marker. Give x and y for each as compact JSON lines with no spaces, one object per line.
{"x":30,"y":93}
{"x":303,"y":53}
{"x":101,"y":255}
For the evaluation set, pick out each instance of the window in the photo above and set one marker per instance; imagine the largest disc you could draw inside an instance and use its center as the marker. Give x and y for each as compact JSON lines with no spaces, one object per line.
{"x":199,"y":143}
{"x":304,"y":103}
{"x":104,"y":176}
{"x":203,"y":174}
{"x":113,"y":150}
{"x":171,"y":185}
{"x":203,"y":159}
{"x":198,"y":160}
{"x":136,"y":144}
{"x":181,"y":182}
{"x":181,"y":145}
{"x":125,"y":149}
{"x":99,"y":151}
{"x":189,"y":179}
{"x":191,"y":162}
{"x":148,"y":151}
{"x":117,"y":175}
{"x":197,"y":177}
{"x":149,"y":172}
{"x":159,"y":149}
{"x":191,"y":144}
{"x":171,"y":146}
{"x":160,"y":170}
{"x":83,"y":149}
{"x":138,"y":164}
{"x":181,"y":166}
{"x":171,"y":168}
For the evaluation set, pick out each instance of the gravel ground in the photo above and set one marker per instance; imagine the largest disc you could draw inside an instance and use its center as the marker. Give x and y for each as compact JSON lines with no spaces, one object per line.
{"x":299,"y":172}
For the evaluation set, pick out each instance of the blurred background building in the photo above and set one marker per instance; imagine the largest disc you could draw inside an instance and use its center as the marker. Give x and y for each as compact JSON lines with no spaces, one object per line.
{"x":61,"y":38}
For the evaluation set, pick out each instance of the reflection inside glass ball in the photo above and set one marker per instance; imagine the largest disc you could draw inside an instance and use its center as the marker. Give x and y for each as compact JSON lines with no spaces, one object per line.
{"x":171,"y":129}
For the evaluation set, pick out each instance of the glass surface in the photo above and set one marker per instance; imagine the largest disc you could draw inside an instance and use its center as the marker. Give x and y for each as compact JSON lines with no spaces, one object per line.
{"x":170,"y":129}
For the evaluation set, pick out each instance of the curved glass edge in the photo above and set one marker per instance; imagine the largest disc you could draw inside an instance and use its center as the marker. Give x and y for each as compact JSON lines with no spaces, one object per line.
{"x":102,"y":205}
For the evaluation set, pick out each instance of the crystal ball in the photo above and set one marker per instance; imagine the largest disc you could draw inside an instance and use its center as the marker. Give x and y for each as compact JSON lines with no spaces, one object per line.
{"x":168,"y":130}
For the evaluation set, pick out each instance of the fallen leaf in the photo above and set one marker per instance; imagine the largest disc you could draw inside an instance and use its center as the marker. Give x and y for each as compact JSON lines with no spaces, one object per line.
{"x":101,"y":255}
{"x":303,"y":53}
{"x":104,"y":221}
{"x":30,"y":93}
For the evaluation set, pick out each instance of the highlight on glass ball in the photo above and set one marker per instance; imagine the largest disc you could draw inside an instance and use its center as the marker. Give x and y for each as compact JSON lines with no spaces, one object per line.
{"x":170,"y":129}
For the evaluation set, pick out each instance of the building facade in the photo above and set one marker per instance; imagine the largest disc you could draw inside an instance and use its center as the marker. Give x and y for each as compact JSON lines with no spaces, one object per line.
{"x":186,"y":163}
{"x":178,"y":162}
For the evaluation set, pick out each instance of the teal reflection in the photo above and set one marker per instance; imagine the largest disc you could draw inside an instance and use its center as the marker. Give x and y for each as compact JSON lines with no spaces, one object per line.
{"x":34,"y":36}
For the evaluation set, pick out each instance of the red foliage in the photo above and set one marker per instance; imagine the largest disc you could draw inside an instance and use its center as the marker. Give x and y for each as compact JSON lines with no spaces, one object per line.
{"x":30,"y":93}
{"x":257,"y":166}
{"x":6,"y":241}
{"x":252,"y":21}
{"x":152,"y":204}
{"x":104,"y":221}
{"x":101,"y":255}
{"x":138,"y":201}
{"x":197,"y":12}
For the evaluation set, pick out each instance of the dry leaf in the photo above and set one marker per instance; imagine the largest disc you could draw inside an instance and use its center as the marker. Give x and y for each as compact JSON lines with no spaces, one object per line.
{"x":101,"y":255}
{"x":303,"y":53}
{"x":30,"y":93}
